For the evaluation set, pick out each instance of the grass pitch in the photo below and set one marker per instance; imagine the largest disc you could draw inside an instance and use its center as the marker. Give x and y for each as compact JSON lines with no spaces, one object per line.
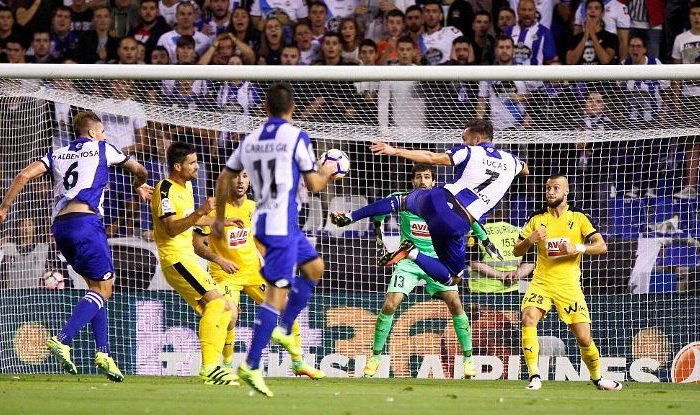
{"x":93,"y":395}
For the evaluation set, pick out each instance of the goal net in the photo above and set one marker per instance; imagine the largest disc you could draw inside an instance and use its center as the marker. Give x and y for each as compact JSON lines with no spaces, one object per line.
{"x":630,"y":149}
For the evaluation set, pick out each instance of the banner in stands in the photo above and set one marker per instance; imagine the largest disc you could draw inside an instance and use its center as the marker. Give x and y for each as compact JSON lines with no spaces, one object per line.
{"x":154,"y":333}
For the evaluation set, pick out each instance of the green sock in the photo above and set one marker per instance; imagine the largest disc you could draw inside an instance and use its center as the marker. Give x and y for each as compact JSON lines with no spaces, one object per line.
{"x":479,"y":231}
{"x":381,"y":332}
{"x":464,"y":333}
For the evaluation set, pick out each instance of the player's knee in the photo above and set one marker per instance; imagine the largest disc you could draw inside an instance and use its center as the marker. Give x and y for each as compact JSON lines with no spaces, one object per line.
{"x":313,"y":270}
{"x":389,"y":307}
{"x":528,"y":318}
{"x":454,"y":305}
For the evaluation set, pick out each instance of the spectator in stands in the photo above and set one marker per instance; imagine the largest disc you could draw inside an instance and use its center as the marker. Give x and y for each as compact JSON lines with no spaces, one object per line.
{"x":505,"y":99}
{"x":151,"y":26}
{"x":128,"y":52}
{"x":505,"y":20}
{"x":595,"y":45}
{"x":615,"y":20}
{"x":127,"y":133}
{"x":484,"y":42}
{"x":141,"y":53}
{"x":185,"y":27}
{"x":318,"y":15}
{"x":646,"y":20}
{"x":41,"y":48}
{"x":460,"y":15}
{"x":160,"y":56}
{"x":368,"y":52}
{"x":387,"y":47}
{"x":492,"y":275}
{"x":97,"y":45}
{"x":351,"y":40}
{"x":220,"y":21}
{"x":24,"y":257}
{"x":271,"y":43}
{"x":545,"y":10}
{"x":290,"y":55}
{"x":15,"y":50}
{"x":242,"y":28}
{"x":125,"y":17}
{"x":287,"y":12}
{"x":7,"y":29}
{"x":189,"y":94}
{"x":168,"y":9}
{"x":34,"y":15}
{"x":414,"y":22}
{"x":81,"y":15}
{"x":534,"y":43}
{"x":644,"y":104}
{"x":63,"y":40}
{"x":240,"y":97}
{"x":407,"y":108}
{"x":436,"y":42}
{"x":184,"y":51}
{"x":686,"y":46}
{"x":309,"y":48}
{"x":462,"y":52}
{"x":224,"y":47}
{"x":367,"y":90}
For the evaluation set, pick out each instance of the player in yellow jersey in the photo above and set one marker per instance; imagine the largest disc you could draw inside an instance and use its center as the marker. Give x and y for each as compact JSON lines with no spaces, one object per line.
{"x":234,"y":262}
{"x":562,"y":234}
{"x":174,"y":215}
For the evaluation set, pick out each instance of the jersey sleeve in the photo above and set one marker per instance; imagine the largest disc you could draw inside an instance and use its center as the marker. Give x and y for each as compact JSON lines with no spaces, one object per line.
{"x":528,"y":228}
{"x":304,"y":153}
{"x":623,"y":20}
{"x":676,"y":51}
{"x":519,"y":164}
{"x":550,"y":50}
{"x":588,"y":229}
{"x":459,"y":154}
{"x":46,"y":160}
{"x":234,"y":162}
{"x":114,"y":156}
{"x":165,"y":206}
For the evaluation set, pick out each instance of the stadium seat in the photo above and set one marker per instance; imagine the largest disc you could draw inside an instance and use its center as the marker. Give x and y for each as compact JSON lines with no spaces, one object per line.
{"x":627,"y":217}
{"x":347,"y":204}
{"x":663,"y":283}
{"x":314,"y":222}
{"x":663,"y":208}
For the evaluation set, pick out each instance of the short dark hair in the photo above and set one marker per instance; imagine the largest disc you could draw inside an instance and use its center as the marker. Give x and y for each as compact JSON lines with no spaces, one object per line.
{"x":83,"y":121}
{"x":433,"y":2}
{"x":177,"y":152}
{"x":405,"y":39}
{"x":602,"y":6}
{"x":505,"y":9}
{"x":504,"y":38}
{"x":479,"y":126}
{"x":159,"y":48}
{"x":413,"y":8}
{"x":368,"y":42}
{"x":395,"y":13}
{"x":61,"y":8}
{"x":693,"y":5}
{"x":419,"y":167}
{"x":15,"y":38}
{"x":461,"y":39}
{"x":126,"y":38}
{"x":149,"y":1}
{"x":332,"y":34}
{"x":318,"y":3}
{"x":185,"y":40}
{"x":7,"y":9}
{"x":641,"y":38}
{"x":280,"y":99}
{"x":483,"y":13}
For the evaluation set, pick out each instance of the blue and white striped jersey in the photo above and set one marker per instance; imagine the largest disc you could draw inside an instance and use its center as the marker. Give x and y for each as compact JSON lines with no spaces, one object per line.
{"x":534,"y":45}
{"x":80,"y":172}
{"x":275,"y":155}
{"x":482,"y":176}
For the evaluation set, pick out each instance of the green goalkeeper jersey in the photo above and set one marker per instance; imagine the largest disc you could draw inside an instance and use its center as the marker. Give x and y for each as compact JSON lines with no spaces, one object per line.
{"x":414,"y":229}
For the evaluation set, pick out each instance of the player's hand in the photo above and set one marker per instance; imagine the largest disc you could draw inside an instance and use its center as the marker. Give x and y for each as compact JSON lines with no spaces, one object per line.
{"x":207,"y":206}
{"x":326,"y":168}
{"x":228,"y":266}
{"x":379,"y":147}
{"x":510,"y":278}
{"x":145,"y":192}
{"x":538,"y":235}
{"x":217,"y":228}
{"x":567,"y":248}
{"x":237,"y":222}
{"x":385,"y":6}
{"x":3,"y":214}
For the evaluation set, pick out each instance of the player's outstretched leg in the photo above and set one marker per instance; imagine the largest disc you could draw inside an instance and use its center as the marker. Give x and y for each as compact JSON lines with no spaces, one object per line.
{"x":380,"y":207}
{"x":105,"y":365}
{"x":299,"y":366}
{"x":607,"y":384}
{"x":62,"y":353}
{"x":254,"y":378}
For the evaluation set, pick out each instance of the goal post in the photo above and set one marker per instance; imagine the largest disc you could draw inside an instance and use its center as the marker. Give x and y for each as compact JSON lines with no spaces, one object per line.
{"x":628,"y":138}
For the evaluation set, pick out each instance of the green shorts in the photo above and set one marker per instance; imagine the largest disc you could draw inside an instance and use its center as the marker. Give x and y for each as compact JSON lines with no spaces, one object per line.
{"x":406,"y":276}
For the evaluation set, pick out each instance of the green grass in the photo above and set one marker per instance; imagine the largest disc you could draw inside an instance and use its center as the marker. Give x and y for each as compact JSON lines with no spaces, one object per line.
{"x":93,"y":395}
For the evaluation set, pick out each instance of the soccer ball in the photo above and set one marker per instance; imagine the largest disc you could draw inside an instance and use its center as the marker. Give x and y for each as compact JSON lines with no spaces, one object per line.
{"x":53,"y":280}
{"x":341,"y":160}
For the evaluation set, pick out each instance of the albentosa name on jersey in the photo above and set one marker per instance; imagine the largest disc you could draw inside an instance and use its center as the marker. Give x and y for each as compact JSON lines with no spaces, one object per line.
{"x":71,"y":156}
{"x":265,"y":148}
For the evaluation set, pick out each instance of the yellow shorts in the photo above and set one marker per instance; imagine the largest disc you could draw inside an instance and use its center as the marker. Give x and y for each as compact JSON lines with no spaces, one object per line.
{"x":252,"y":285}
{"x":190,"y":280}
{"x":570,"y":303}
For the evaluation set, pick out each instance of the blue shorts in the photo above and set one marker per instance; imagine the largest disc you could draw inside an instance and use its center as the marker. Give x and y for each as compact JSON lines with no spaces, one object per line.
{"x":447,"y":223}
{"x":282,"y":256}
{"x":82,"y":240}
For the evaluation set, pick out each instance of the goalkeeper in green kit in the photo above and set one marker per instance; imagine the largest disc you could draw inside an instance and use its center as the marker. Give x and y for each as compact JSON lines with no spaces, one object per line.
{"x":407,"y":274}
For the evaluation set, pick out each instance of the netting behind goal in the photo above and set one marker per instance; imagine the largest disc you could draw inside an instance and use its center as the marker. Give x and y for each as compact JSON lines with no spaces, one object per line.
{"x":629,"y":148}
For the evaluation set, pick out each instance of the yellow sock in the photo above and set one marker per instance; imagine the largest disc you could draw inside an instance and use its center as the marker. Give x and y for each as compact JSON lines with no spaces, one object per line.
{"x":227,"y":352}
{"x":591,"y":357}
{"x":296,"y":333}
{"x":212,"y":333}
{"x":531,"y":350}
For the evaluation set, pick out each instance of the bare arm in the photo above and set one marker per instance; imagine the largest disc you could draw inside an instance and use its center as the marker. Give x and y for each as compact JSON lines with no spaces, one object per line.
{"x":523,"y":245}
{"x":140,"y":175}
{"x":201,"y":247}
{"x":481,"y":108}
{"x":175,"y":227}
{"x":623,"y":35}
{"x":597,"y":246}
{"x":30,"y":172}
{"x":25,"y":15}
{"x":318,"y":180}
{"x":573,"y":55}
{"x":247,"y":53}
{"x":417,"y":156}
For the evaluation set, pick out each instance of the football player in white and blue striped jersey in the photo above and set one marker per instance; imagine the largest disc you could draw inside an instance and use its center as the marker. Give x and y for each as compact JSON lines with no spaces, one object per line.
{"x":79,"y":173}
{"x":277,"y":155}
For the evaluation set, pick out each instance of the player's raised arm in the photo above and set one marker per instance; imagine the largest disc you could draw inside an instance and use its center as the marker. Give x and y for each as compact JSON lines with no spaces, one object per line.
{"x":416,"y":156}
{"x":140,"y":175}
{"x":30,"y":172}
{"x":176,"y":226}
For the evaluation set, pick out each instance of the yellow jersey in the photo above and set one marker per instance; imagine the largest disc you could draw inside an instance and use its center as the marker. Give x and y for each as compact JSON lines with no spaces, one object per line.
{"x":172,"y":199}
{"x":553,"y":268}
{"x":238,"y":246}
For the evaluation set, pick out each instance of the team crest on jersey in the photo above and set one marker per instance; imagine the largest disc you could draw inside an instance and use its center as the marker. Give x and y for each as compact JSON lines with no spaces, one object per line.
{"x":237,"y":238}
{"x":420,"y":230}
{"x":553,"y":246}
{"x":78,"y":146}
{"x":166,"y":206}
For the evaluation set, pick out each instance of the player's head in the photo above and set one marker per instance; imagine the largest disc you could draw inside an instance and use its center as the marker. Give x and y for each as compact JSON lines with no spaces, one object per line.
{"x":280,"y":100}
{"x":240,"y":184}
{"x":557,"y":189}
{"x":477,"y":131}
{"x":182,"y":160}
{"x":423,"y":176}
{"x":87,"y":124}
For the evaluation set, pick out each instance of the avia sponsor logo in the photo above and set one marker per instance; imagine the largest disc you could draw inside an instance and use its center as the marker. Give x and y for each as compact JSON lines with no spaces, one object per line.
{"x":420,"y":230}
{"x":237,"y":237}
{"x":553,"y":246}
{"x":686,"y":364}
